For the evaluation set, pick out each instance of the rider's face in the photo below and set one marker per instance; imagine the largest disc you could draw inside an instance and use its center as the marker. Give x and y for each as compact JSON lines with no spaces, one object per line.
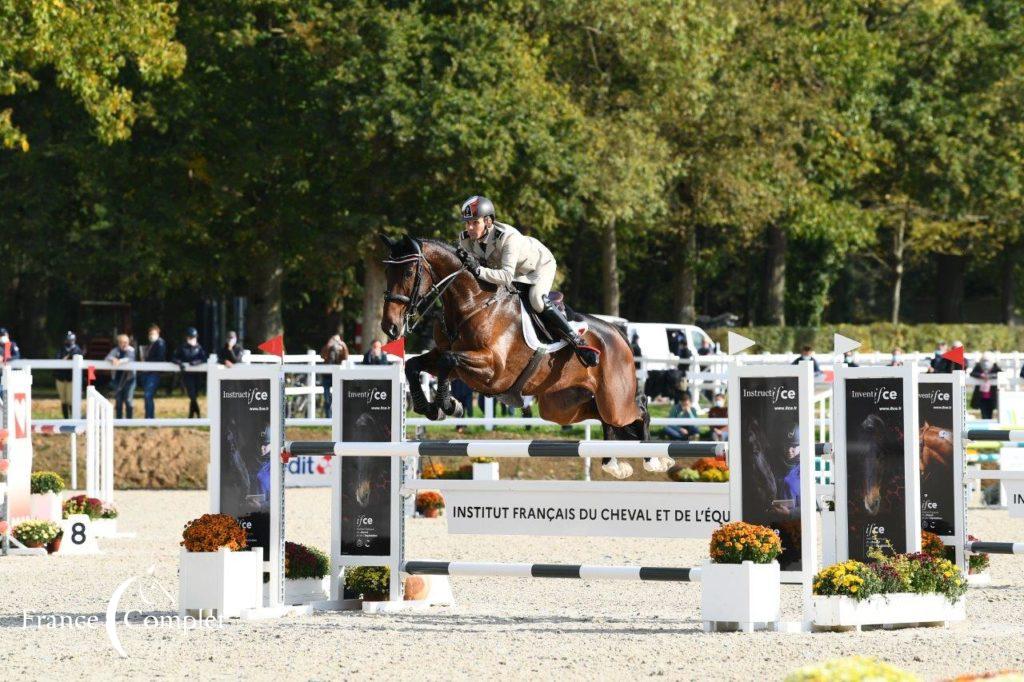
{"x":477,"y":227}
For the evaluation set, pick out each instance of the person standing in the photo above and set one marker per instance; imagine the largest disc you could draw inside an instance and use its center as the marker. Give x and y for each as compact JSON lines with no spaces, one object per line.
{"x":190,"y":354}
{"x":230,"y":354}
{"x":123,"y":380}
{"x":156,"y":351}
{"x":67,"y":351}
{"x":8,"y":347}
{"x":986,"y":393}
{"x":375,"y":356}
{"x":334,"y":352}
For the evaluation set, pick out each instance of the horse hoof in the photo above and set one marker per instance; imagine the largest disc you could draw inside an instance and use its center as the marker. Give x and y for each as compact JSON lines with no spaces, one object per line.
{"x":617,"y":469}
{"x":453,"y":409}
{"x":433,"y":412}
{"x":658,"y":464}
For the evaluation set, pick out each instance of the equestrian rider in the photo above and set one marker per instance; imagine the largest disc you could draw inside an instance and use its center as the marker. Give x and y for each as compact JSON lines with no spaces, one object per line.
{"x":500,"y":254}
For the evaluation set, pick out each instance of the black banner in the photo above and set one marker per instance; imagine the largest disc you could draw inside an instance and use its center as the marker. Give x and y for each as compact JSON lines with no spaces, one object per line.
{"x":366,"y":481}
{"x":875,"y":467}
{"x":938,"y":489}
{"x":245,"y":457}
{"x":770,"y":454}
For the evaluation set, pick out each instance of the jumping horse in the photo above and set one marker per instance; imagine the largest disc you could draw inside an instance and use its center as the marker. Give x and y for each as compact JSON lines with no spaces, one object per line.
{"x":479,"y":339}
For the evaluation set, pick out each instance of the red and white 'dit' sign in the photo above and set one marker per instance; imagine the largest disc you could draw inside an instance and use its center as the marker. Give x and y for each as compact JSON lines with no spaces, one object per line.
{"x":20,"y":408}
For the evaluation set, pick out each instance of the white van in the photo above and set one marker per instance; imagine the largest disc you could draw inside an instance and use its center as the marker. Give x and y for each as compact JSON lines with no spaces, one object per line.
{"x":654,"y":339}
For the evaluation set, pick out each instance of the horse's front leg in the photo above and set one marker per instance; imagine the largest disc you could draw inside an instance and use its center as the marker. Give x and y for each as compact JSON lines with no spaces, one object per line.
{"x":446,"y":364}
{"x":428,"y":362}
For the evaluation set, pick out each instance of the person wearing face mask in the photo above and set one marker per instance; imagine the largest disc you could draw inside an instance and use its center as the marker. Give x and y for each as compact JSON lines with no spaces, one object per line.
{"x":67,"y":351}
{"x":191,"y":354}
{"x":718,"y":410}
{"x":897,"y":357}
{"x":986,"y":391}
{"x":156,"y":351}
{"x":8,"y":347}
{"x":123,"y":380}
{"x":230,"y":354}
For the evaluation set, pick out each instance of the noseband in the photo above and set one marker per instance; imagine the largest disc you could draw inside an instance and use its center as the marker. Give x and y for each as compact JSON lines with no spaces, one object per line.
{"x":416,"y":303}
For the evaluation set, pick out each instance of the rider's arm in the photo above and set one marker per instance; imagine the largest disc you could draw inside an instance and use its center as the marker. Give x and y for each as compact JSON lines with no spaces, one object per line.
{"x":503,"y":275}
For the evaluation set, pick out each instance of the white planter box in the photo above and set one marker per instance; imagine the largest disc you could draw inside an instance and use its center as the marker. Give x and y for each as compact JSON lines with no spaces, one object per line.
{"x":46,"y":507}
{"x":885,"y":609}
{"x":223,"y":581}
{"x":486,"y":471}
{"x":303,"y":590}
{"x":739,"y":596}
{"x":982,"y":579}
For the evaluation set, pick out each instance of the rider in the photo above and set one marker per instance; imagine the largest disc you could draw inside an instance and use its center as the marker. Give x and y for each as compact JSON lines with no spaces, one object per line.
{"x":498,"y":253}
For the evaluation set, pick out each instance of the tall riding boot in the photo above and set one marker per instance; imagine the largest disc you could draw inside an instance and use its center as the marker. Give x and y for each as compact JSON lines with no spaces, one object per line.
{"x":557,"y":324}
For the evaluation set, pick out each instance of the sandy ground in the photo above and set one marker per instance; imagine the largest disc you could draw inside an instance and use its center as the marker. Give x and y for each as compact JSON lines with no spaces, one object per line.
{"x":516,"y":628}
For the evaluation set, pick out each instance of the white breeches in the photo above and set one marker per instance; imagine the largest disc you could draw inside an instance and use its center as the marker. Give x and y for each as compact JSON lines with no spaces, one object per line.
{"x":541,"y":279}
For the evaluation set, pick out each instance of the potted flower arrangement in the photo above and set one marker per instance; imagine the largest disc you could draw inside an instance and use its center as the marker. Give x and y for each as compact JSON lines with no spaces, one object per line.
{"x":215,"y":573}
{"x":429,"y":503}
{"x":977,"y":568}
{"x":684,"y":474}
{"x":893,"y":589}
{"x":44,"y":501}
{"x":305,"y":572}
{"x":740,"y":584}
{"x":485,"y":469}
{"x":371,"y":583}
{"x":83,"y":504}
{"x":35,"y":533}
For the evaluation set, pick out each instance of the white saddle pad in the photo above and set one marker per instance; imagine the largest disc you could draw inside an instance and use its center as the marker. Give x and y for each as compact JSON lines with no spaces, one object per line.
{"x":530,"y":334}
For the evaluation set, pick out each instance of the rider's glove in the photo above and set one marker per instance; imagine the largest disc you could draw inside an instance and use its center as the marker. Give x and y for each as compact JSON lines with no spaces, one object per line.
{"x":470,"y":261}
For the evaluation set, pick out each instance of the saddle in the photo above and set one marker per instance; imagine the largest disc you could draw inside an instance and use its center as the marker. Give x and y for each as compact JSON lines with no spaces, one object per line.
{"x":544,"y":336}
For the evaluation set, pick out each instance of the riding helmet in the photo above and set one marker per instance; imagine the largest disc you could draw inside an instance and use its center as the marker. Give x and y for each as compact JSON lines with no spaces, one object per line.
{"x":477,"y":207}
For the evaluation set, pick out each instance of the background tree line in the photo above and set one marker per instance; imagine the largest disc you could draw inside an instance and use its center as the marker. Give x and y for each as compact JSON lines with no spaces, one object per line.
{"x":793,"y":162}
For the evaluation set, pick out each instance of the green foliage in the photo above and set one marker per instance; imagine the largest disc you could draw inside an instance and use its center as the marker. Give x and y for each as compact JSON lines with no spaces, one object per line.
{"x":46,"y":482}
{"x":370,"y":582}
{"x":36,"y":533}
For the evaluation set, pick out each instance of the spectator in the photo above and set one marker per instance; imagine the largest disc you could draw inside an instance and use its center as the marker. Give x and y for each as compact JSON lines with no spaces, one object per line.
{"x":634,"y":345}
{"x":807,"y":355}
{"x":719,"y":411}
{"x":684,"y":353}
{"x":334,"y":352}
{"x":191,"y":353}
{"x":63,"y":376}
{"x":705,"y":348}
{"x":122,"y":380}
{"x":230,"y":354}
{"x":986,"y":393}
{"x":682,"y":409}
{"x":375,"y":356}
{"x":938,"y":363}
{"x":464,"y":394}
{"x":9,"y":347}
{"x":156,"y":351}
{"x":897,"y":357}
{"x":850,"y":359}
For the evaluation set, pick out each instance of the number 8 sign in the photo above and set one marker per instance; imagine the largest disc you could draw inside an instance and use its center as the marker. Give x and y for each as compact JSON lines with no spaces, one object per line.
{"x":78,"y":536}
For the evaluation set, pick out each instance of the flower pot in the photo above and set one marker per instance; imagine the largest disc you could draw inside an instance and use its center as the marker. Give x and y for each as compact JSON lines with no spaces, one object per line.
{"x":46,"y":507}
{"x":884,"y":609}
{"x":33,"y":544}
{"x":485,"y":471}
{"x":432,"y":512}
{"x":224,"y":582}
{"x":302,"y":590}
{"x":980,"y":579}
{"x":739,"y":596}
{"x":54,"y":545}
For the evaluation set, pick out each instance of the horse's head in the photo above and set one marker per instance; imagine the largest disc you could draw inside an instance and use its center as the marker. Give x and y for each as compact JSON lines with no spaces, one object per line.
{"x":875,"y":428}
{"x":406,"y":283}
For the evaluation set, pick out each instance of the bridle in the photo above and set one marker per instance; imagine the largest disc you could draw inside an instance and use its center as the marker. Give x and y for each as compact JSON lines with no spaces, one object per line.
{"x":418,"y":304}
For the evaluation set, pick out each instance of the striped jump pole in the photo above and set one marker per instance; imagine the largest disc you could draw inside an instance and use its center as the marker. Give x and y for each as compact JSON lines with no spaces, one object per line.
{"x":522,"y":448}
{"x":62,"y":428}
{"x":1001,"y":435}
{"x":979,"y":547}
{"x":572,"y":571}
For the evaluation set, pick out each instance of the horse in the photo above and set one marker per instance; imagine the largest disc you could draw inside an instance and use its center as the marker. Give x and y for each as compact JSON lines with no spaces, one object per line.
{"x":766,"y":488}
{"x":877,"y":473}
{"x":479,"y":339}
{"x":936,"y":450}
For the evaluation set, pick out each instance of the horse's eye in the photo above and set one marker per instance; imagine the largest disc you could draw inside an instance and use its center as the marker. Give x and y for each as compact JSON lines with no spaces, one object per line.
{"x":408,"y":274}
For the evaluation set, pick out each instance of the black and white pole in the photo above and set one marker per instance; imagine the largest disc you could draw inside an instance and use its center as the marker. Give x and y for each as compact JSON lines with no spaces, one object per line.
{"x":523,"y":448}
{"x":1001,"y":435}
{"x":571,"y":571}
{"x":979,"y":547}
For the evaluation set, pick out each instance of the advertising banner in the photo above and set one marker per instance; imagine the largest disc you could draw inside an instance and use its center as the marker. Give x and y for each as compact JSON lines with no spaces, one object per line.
{"x":769,"y":443}
{"x":938,"y":487}
{"x":683,"y":513}
{"x":366,"y":481}
{"x":309,"y":471}
{"x":245,"y":459}
{"x":875,"y":473}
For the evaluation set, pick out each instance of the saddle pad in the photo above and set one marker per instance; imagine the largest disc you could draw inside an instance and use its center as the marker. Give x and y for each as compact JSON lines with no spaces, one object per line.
{"x":530,"y":333}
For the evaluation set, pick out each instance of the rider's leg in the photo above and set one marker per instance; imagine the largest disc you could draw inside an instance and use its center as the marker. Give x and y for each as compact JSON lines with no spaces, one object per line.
{"x":554,"y":319}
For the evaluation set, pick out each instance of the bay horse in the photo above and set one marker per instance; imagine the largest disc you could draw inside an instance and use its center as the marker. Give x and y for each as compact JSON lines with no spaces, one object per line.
{"x":936,"y":450}
{"x":479,"y":339}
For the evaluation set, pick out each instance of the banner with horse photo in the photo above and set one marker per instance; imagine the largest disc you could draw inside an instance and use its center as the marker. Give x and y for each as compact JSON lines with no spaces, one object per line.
{"x":769,"y":442}
{"x":938,"y":489}
{"x":875,"y":469}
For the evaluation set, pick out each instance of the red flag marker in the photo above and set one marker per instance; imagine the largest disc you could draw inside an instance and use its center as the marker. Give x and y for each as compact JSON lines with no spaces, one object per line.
{"x":955,"y":355}
{"x":7,"y":351}
{"x":274,"y":346}
{"x":90,"y":375}
{"x":396,"y":347}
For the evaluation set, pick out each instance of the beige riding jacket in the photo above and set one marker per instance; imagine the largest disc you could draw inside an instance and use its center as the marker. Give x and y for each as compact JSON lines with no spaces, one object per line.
{"x":507,"y":255}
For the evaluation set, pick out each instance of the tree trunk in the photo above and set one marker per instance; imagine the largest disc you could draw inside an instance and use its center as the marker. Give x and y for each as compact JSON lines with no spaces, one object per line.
{"x":610,"y":270}
{"x":684,"y":280}
{"x":373,"y":298}
{"x":1008,"y":284}
{"x":774,"y":303}
{"x":949,"y":288}
{"x":264,"y":319}
{"x":899,"y":245}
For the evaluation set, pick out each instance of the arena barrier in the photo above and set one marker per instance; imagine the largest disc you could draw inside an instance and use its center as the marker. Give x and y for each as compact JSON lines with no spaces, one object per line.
{"x":99,"y":446}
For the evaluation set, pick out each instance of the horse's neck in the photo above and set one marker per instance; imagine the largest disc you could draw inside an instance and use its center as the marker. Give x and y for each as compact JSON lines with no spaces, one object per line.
{"x":462,"y":297}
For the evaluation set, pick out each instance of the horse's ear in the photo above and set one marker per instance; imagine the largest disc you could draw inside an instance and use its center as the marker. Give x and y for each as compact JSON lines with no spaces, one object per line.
{"x":925,"y":426}
{"x":388,"y":241}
